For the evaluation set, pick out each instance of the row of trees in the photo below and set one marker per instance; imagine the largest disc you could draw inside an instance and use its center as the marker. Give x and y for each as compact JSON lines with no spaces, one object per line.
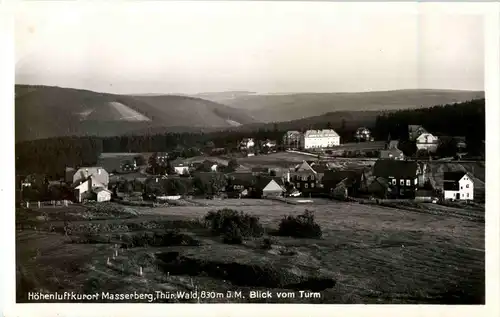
{"x":51,"y":156}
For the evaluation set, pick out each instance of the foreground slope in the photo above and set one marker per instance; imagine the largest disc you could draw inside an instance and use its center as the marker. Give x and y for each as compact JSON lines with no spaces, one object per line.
{"x":373,"y":254}
{"x":286,"y":107}
{"x":43,"y":112}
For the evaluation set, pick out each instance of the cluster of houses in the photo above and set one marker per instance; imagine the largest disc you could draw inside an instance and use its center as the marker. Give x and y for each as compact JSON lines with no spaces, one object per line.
{"x":392,"y":175}
{"x":248,"y":146}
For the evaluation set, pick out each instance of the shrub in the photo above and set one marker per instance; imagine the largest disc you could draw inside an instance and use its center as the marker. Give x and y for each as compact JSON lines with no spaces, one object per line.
{"x":232,"y":234}
{"x":302,"y":226}
{"x":267,"y":244}
{"x":233,"y":223}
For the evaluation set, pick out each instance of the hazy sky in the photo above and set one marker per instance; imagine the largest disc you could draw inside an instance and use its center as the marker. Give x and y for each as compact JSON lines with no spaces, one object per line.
{"x":262,"y":47}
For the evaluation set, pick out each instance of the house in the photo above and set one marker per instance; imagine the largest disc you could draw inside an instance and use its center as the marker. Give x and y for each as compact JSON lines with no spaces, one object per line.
{"x":428,"y":142}
{"x":292,"y":140}
{"x":344,"y":183}
{"x":458,"y":186}
{"x":268,"y":187}
{"x":181,"y":169}
{"x":391,"y":154}
{"x":307,"y":177}
{"x":319,"y":139}
{"x":239,"y":184}
{"x":271,"y":145}
{"x":402,"y":176}
{"x":247,"y":143}
{"x":102,"y":194}
{"x":363,"y":134}
{"x":83,"y":173}
{"x":414,"y":131}
{"x":83,"y":189}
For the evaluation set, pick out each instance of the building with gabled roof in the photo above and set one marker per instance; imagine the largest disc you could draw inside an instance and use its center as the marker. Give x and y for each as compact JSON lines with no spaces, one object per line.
{"x":458,"y":186}
{"x":402,"y":176}
{"x":319,"y":139}
{"x":414,"y":131}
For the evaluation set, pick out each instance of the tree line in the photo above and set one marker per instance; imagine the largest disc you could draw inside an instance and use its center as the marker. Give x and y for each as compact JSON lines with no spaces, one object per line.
{"x":51,"y":156}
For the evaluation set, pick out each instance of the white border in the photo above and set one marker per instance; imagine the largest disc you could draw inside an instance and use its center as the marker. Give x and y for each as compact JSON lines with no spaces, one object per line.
{"x":492,"y":84}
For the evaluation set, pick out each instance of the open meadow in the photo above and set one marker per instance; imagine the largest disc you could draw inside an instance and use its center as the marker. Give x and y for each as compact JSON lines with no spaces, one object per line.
{"x":367,"y":253}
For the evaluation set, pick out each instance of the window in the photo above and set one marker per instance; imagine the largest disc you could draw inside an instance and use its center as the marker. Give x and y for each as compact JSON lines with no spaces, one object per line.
{"x":401,"y":182}
{"x":416,"y":181}
{"x":298,"y":185}
{"x":467,"y":186}
{"x":304,"y":178}
{"x":467,"y":195}
{"x":312,"y":185}
{"x":305,"y":185}
{"x":461,"y":187}
{"x":408,"y":182}
{"x":312,"y":177}
{"x":393,"y":182}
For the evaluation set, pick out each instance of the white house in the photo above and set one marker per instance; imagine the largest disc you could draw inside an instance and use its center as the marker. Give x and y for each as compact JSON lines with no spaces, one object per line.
{"x":458,"y":186}
{"x":84,"y":188}
{"x":102,"y":194}
{"x":314,"y":139}
{"x":427,"y":141}
{"x":99,"y":174}
{"x":181,"y":169}
{"x":247,"y":143}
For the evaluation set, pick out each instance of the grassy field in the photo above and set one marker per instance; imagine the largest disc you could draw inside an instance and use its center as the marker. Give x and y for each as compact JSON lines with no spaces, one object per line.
{"x":369,"y":254}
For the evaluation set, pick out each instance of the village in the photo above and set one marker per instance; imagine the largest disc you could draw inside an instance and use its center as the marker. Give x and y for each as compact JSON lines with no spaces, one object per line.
{"x":312,"y":164}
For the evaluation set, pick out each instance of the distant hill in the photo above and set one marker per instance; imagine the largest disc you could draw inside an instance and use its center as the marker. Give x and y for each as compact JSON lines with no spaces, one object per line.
{"x":286,"y":107}
{"x":43,"y":112}
{"x":223,"y":96}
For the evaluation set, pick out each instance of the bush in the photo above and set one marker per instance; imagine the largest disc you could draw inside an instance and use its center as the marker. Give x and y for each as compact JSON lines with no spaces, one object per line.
{"x":231,"y":223}
{"x":302,"y":226}
{"x":267,"y":244}
{"x":232,"y":234}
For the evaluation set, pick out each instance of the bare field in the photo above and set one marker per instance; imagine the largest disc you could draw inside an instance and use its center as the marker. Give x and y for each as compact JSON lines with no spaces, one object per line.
{"x":373,"y":254}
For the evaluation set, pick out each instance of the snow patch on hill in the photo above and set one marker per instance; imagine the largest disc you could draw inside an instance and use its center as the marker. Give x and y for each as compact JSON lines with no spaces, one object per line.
{"x":128,"y":114}
{"x":233,"y":123}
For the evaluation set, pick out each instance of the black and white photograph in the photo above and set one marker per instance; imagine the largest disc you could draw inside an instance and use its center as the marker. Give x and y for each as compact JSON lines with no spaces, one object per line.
{"x":250,"y":152}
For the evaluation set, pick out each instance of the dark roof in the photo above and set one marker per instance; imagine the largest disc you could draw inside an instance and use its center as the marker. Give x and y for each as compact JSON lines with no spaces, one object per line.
{"x":395,"y":168}
{"x":319,"y":167}
{"x":453,"y":176}
{"x":450,"y":186}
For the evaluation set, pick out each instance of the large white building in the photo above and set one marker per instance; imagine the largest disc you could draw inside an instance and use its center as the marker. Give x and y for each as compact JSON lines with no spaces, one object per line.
{"x":316,"y":139}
